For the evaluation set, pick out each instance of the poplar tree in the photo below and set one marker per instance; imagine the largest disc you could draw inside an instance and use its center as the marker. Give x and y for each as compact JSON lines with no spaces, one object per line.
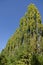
{"x":25,"y":47}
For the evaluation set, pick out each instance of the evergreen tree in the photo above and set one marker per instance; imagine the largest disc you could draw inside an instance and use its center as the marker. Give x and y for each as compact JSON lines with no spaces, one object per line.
{"x":25,"y":47}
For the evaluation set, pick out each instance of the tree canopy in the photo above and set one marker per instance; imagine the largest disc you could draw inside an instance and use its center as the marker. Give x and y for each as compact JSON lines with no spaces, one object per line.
{"x":25,"y":47}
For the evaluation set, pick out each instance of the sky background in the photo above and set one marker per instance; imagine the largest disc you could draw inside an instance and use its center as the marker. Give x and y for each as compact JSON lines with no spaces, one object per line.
{"x":10,"y":13}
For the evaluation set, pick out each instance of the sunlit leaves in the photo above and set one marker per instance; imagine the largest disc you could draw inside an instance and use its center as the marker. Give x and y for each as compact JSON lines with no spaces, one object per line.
{"x":22,"y":47}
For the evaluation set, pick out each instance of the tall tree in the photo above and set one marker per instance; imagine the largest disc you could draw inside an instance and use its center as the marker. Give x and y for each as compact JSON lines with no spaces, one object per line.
{"x":25,"y":47}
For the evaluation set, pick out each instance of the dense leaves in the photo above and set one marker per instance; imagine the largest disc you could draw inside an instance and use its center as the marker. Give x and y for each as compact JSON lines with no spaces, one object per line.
{"x":25,"y":47}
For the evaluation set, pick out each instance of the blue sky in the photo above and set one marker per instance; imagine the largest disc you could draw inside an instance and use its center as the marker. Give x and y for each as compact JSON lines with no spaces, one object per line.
{"x":10,"y":13}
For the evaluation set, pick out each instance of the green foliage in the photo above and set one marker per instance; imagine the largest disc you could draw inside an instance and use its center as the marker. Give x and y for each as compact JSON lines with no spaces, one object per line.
{"x":25,"y":47}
